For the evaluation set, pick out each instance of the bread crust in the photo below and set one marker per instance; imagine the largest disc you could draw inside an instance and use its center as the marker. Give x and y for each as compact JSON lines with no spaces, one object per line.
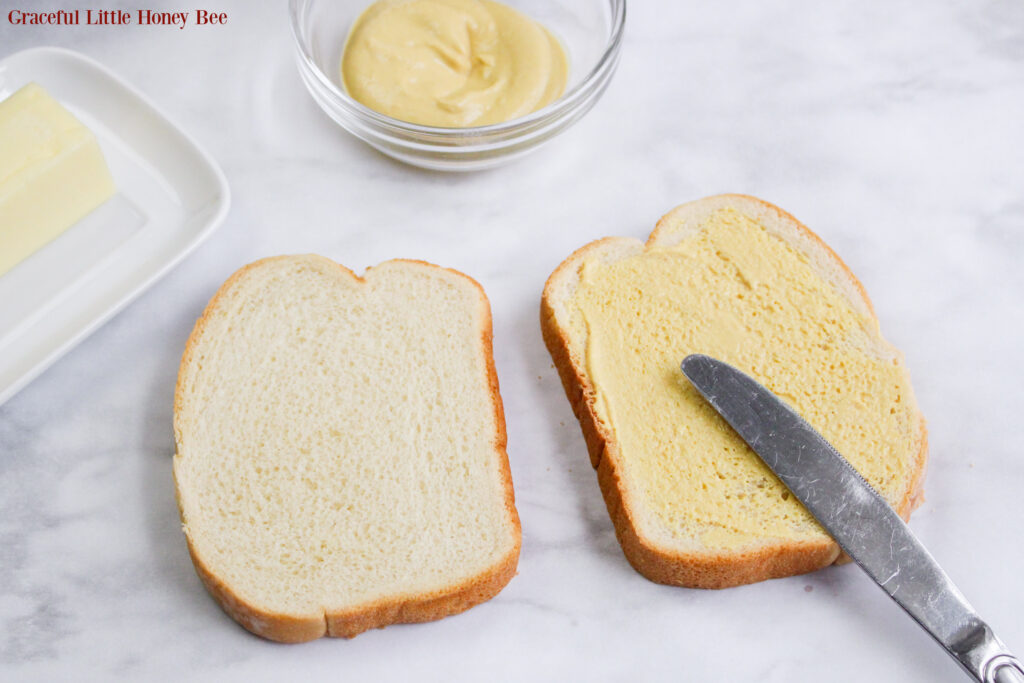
{"x":285,"y":628}
{"x":665,"y":565}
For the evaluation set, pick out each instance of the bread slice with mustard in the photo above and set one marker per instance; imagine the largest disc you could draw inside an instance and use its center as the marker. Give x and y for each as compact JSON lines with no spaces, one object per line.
{"x":739,"y":279}
{"x":340,"y":459}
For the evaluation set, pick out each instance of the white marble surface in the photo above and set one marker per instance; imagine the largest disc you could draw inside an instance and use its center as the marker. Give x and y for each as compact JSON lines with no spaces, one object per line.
{"x":893,"y":129}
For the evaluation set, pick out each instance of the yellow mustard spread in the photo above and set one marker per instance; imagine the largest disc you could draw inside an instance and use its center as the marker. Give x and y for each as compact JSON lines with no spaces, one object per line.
{"x":736,"y":292}
{"x":452,"y":63}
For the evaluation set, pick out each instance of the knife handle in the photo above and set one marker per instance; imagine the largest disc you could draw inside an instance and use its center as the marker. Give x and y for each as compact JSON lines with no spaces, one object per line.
{"x":1005,"y":669}
{"x":985,"y":657}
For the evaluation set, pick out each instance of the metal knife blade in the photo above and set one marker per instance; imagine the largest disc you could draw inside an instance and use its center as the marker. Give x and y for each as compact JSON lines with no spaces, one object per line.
{"x":855,"y":515}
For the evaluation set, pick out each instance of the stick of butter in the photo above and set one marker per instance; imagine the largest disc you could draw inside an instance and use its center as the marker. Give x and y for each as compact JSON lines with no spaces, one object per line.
{"x":52,"y":173}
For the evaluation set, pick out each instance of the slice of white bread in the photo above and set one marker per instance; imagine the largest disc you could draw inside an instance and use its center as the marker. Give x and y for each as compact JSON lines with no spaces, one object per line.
{"x":341,"y":458}
{"x":736,"y":278}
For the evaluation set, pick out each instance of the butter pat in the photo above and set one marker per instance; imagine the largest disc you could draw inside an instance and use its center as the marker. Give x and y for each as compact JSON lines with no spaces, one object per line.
{"x":52,"y":173}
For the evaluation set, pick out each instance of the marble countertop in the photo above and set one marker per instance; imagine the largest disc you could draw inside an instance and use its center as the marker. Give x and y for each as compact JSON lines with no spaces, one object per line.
{"x":893,"y":129}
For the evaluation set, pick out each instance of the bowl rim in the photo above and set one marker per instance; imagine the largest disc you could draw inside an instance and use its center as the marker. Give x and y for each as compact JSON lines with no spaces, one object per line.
{"x":564,"y":104}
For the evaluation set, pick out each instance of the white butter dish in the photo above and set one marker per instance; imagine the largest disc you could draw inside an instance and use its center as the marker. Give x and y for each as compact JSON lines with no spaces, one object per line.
{"x":170,"y":197}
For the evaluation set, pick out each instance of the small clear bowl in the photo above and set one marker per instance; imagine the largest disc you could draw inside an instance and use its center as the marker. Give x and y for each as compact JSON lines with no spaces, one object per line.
{"x":590,"y":31}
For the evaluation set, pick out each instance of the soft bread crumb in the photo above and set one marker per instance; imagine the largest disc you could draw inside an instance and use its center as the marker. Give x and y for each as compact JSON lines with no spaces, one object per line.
{"x":340,"y":444}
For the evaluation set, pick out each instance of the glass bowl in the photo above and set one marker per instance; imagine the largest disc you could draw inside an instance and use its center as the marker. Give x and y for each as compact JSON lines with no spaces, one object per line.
{"x":590,"y":32}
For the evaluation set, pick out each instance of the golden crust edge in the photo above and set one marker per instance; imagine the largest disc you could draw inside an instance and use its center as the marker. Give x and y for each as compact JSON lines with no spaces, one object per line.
{"x":694,"y":570}
{"x":431,"y":606}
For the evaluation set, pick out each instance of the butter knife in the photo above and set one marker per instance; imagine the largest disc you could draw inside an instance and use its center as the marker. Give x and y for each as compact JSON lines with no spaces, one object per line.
{"x":853,"y":513}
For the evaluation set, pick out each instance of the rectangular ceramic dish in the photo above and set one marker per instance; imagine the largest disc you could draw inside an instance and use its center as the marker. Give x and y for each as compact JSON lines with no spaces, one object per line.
{"x":171,"y":196}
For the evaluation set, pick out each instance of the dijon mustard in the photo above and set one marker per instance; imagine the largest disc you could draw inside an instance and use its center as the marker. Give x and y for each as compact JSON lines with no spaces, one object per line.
{"x":452,"y":63}
{"x":737,"y":292}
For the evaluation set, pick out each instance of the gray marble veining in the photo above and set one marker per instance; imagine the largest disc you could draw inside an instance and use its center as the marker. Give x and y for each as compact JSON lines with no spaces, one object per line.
{"x":893,"y":129}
